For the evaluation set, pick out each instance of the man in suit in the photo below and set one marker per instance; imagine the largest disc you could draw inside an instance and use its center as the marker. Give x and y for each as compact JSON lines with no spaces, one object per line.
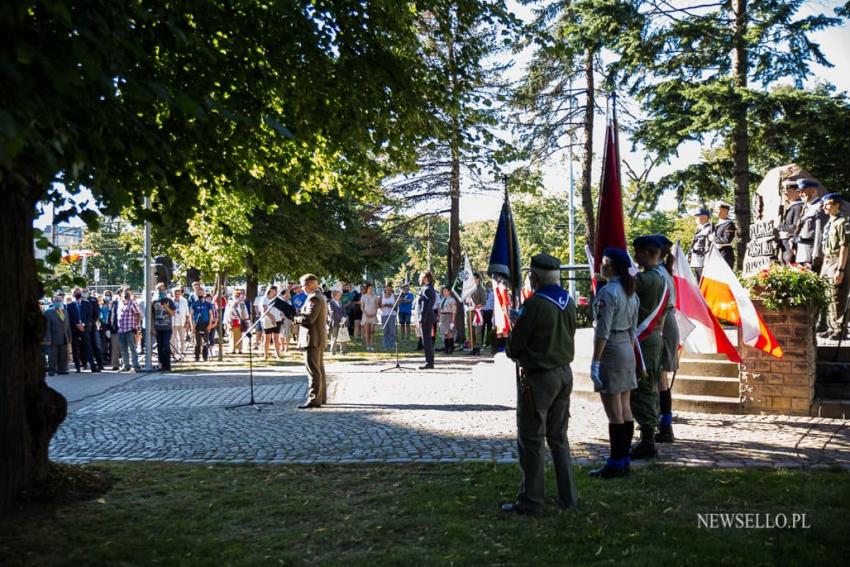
{"x":426,"y":303}
{"x":92,"y":327}
{"x":57,"y":336}
{"x":80,"y":316}
{"x":313,"y":316}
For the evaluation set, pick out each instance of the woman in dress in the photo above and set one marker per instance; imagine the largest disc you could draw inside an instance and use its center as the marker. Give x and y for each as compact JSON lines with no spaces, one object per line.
{"x":369,"y":304}
{"x":448,"y":310}
{"x":613,"y":370}
{"x":286,"y":323}
{"x":388,"y":317}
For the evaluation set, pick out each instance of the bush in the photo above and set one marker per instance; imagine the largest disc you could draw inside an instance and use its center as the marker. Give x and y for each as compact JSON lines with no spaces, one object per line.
{"x":783,"y":287}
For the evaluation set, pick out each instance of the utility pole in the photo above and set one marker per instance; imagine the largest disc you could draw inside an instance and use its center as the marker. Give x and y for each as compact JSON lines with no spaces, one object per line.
{"x":148,"y":288}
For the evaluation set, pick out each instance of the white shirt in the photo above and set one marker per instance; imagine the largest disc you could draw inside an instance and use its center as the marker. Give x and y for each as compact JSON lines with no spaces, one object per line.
{"x":387,"y":302}
{"x":182,"y":313}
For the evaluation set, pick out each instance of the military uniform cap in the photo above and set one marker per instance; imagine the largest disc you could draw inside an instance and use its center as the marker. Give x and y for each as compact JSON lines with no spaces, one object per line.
{"x":306,"y":278}
{"x":702,"y":211}
{"x":791,"y":183}
{"x":545,"y":262}
{"x":833,"y":197}
{"x":647,"y":241}
{"x":806,"y":184}
{"x":724,"y":205}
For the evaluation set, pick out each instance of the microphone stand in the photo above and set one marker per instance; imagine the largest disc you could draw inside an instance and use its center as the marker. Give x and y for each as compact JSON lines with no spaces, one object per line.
{"x":398,"y":365}
{"x":252,"y":402}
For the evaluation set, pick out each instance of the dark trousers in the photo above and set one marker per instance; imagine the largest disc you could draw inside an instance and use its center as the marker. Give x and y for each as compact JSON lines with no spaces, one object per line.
{"x":314,"y":361}
{"x":550,"y":391}
{"x":428,"y":342}
{"x":487,"y":327}
{"x":95,"y":350}
{"x":163,"y":348}
{"x":728,"y":254}
{"x":201,"y":341}
{"x":81,"y":349}
{"x":57,"y":358}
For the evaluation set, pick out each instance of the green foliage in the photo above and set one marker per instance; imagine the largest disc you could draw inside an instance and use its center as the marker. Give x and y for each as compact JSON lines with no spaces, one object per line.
{"x":782,"y":287}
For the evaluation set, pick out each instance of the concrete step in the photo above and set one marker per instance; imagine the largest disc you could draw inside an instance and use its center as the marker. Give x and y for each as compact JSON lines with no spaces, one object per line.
{"x":706,"y":404}
{"x":707,"y":367}
{"x":711,"y":356}
{"x":722,"y":386}
{"x":832,"y":390}
{"x":832,"y":408}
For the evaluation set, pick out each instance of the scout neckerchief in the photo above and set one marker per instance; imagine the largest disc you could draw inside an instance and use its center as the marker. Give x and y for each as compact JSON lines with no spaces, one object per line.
{"x":555,"y":294}
{"x":646,"y":326}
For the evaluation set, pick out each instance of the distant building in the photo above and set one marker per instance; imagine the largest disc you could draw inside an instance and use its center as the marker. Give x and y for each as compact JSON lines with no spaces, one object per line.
{"x":66,"y":238}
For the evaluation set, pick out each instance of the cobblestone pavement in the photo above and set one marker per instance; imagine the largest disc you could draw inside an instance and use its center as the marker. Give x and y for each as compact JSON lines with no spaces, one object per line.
{"x":462,"y":411}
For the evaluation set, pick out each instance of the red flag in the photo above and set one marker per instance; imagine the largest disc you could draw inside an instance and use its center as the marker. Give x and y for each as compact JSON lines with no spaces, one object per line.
{"x":610,"y":228}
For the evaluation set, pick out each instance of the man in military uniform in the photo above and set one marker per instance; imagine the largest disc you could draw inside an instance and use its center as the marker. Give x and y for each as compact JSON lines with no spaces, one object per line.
{"x":809,"y":231}
{"x":723,"y":236}
{"x":652,"y":292}
{"x":836,"y":246}
{"x":793,"y":210}
{"x":476,"y":301}
{"x":313,"y":317}
{"x":543,"y":343}
{"x":700,"y":243}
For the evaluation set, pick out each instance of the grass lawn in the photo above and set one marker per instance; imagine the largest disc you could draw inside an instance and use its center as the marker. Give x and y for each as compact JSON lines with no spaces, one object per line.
{"x":172,"y":514}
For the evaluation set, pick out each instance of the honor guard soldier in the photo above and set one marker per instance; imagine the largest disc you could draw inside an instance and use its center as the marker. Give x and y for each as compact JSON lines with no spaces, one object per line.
{"x":670,"y":338}
{"x":542,"y":344}
{"x":809,"y":231}
{"x":836,"y":246}
{"x":701,"y":241}
{"x":613,"y":370}
{"x":790,"y":218}
{"x":723,"y":236}
{"x":651,"y":289}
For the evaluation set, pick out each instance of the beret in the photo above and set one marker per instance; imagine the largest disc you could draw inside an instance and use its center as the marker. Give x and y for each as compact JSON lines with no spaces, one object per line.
{"x":806,"y":183}
{"x":545,"y":262}
{"x":618,"y":256}
{"x":666,"y":242}
{"x":647,"y":241}
{"x":702,"y":211}
{"x":833,"y":197}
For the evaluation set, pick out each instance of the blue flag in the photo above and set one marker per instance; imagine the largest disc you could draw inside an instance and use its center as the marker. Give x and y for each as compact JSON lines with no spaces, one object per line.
{"x":504,"y":258}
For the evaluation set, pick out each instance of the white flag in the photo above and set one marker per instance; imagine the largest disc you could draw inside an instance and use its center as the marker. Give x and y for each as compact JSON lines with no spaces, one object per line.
{"x":467,"y":278}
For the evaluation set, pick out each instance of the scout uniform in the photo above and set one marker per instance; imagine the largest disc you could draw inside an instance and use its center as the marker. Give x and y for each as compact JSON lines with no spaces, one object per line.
{"x":700,"y":244}
{"x":478,"y":299}
{"x":723,"y":238}
{"x":670,"y":352}
{"x":542,"y":344}
{"x":788,"y":228}
{"x":313,"y":317}
{"x":651,"y":289}
{"x":809,"y":231}
{"x":448,"y":312}
{"x":836,"y":237}
{"x":615,"y":316}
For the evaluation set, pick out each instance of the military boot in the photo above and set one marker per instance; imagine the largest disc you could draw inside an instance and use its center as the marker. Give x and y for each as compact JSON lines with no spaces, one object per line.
{"x":646,"y":448}
{"x":665,"y":434}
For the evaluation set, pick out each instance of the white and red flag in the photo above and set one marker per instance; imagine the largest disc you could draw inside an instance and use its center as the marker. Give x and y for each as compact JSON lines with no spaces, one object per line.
{"x":705,"y":335}
{"x":728,"y":300}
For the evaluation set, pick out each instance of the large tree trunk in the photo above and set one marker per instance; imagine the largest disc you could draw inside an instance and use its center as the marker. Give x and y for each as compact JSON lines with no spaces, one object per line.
{"x":740,"y":135}
{"x":587,"y":158}
{"x":30,"y":411}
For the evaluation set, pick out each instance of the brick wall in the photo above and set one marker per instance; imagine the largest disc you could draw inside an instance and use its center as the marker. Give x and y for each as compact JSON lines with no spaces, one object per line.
{"x":780,"y":385}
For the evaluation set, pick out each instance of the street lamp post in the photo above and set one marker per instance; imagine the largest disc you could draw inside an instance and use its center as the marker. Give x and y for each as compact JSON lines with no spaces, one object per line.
{"x":148,"y":288}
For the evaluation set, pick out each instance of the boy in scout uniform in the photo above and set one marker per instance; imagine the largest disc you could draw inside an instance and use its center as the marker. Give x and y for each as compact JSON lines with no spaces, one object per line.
{"x":542,"y":343}
{"x":652,"y":292}
{"x":836,"y":246}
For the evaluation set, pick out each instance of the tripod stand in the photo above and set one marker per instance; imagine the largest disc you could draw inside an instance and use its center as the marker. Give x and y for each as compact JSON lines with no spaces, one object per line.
{"x":252,"y":402}
{"x":398,"y":365}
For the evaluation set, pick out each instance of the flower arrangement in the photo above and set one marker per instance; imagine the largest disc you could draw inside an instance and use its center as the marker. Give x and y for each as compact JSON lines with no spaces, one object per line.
{"x":782,"y":287}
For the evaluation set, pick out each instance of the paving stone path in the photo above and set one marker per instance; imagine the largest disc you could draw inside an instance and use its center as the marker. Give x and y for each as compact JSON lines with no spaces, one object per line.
{"x":462,"y":411}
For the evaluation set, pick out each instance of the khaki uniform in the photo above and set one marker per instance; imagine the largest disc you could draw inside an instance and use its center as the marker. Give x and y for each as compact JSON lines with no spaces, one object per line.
{"x":543,"y":344}
{"x":477,"y":297}
{"x":836,"y":236}
{"x":670,"y":332}
{"x":448,"y":310}
{"x":649,"y":288}
{"x":313,"y":317}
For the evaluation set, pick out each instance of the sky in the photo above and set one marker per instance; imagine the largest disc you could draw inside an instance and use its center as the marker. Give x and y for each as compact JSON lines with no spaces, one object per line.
{"x":834,"y":42}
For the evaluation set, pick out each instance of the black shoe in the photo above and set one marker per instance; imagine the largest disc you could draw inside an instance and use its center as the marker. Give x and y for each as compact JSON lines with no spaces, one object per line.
{"x":51,"y":374}
{"x":95,"y":370}
{"x":515,"y":508}
{"x":427,"y":367}
{"x":309,"y":405}
{"x":645,"y":449}
{"x":825,"y":334}
{"x":62,"y":373}
{"x":608,"y":471}
{"x":665,"y":434}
